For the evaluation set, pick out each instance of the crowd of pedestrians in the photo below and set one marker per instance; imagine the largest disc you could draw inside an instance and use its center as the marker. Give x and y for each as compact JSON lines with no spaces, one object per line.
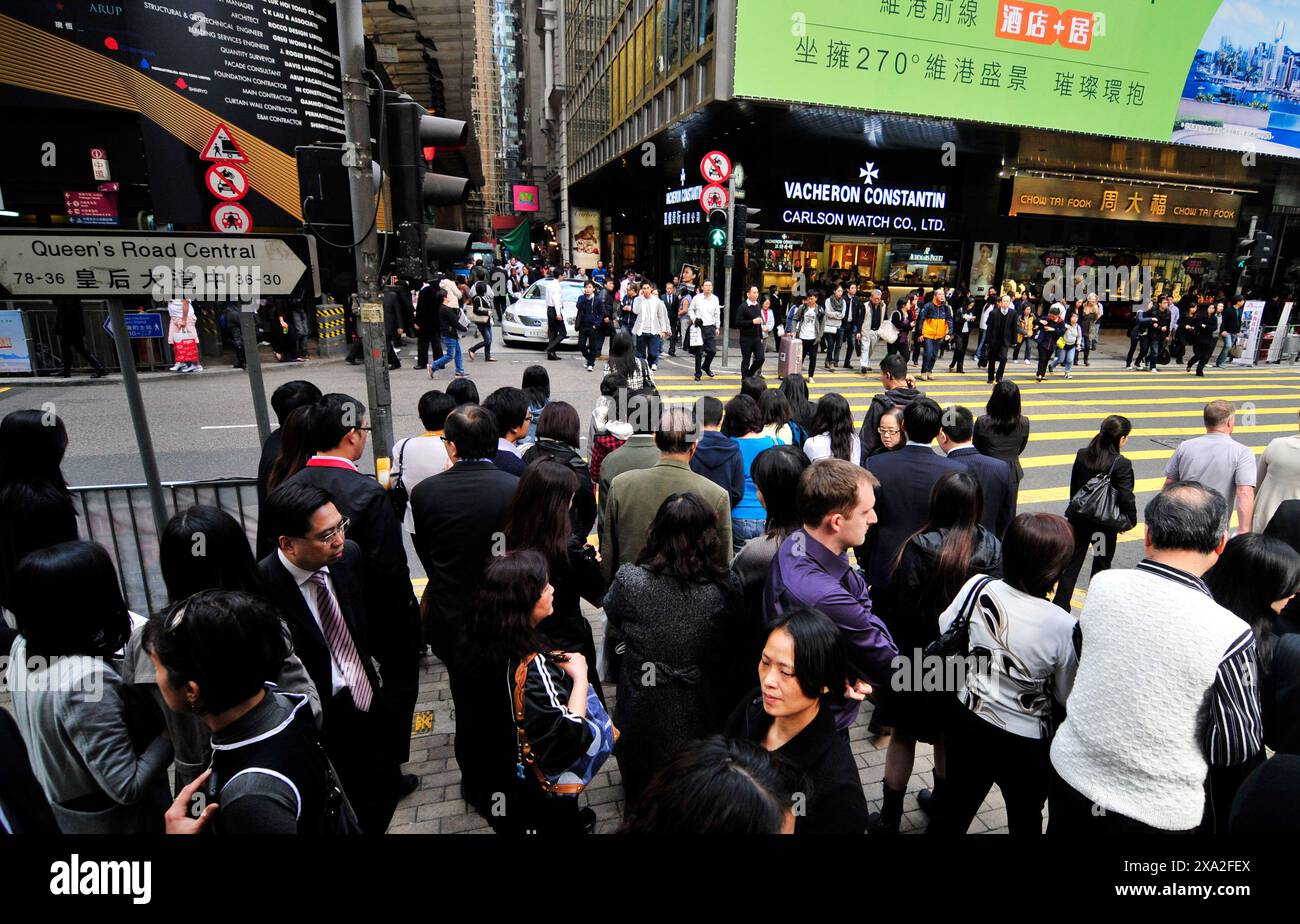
{"x":767,"y":566}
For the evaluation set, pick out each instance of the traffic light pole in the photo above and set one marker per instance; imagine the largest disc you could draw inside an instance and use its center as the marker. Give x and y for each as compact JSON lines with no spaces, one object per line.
{"x":365,"y":301}
{"x":729,"y":266}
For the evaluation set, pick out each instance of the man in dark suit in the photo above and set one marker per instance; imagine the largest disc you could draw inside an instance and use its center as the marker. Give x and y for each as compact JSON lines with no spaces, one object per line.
{"x":458,"y":516}
{"x":284,"y":401}
{"x":428,"y":330}
{"x":509,"y":407}
{"x":314,"y":577}
{"x":999,"y":337}
{"x":70,"y":325}
{"x":338,"y":429}
{"x":392,"y":297}
{"x":903,"y":499}
{"x":997,"y":481}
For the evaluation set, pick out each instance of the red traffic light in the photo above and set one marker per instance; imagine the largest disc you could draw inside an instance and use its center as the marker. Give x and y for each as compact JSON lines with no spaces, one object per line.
{"x":430,"y":153}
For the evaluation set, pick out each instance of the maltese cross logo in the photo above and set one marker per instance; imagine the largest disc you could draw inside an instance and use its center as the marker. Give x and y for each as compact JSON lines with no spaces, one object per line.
{"x":869,"y":173}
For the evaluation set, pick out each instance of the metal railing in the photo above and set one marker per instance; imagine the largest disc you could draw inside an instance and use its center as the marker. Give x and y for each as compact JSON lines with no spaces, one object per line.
{"x":120,"y":519}
{"x":46,"y":348}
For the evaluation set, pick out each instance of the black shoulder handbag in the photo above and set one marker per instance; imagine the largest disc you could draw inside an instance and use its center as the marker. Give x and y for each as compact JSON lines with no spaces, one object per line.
{"x":955,"y":642}
{"x":1098,"y":502}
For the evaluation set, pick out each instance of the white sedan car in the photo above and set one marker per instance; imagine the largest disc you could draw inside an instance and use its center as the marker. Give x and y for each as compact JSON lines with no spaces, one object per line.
{"x":525,"y":320}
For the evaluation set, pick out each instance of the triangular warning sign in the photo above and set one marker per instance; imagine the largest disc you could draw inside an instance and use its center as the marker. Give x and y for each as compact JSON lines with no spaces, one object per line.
{"x":221,"y":146}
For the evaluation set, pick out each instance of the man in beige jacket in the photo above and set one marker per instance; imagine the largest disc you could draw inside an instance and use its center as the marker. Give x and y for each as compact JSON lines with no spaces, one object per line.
{"x":635,"y":496}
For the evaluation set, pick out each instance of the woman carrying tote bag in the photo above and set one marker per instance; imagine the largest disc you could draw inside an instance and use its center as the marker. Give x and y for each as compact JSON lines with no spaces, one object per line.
{"x":1101,"y":457}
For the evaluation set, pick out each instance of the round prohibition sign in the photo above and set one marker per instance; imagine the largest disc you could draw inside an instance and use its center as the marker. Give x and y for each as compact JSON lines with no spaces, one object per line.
{"x":226,"y":181}
{"x":231,"y":218}
{"x":715,"y":167}
{"x":713,"y":196}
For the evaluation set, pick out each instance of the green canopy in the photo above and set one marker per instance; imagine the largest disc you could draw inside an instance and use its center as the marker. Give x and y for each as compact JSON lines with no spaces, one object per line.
{"x":518,"y":241}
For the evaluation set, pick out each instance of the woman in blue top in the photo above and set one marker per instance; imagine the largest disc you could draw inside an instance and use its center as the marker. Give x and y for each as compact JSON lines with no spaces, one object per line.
{"x":743,"y":422}
{"x":537,"y":386}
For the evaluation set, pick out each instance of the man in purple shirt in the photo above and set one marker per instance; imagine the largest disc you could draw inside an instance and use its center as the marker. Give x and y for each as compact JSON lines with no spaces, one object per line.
{"x":811,"y":569}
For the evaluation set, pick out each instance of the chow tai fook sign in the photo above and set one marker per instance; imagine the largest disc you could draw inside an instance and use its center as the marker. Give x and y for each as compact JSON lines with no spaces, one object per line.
{"x":1221,"y":77}
{"x":868,"y":204}
{"x":1123,"y":202}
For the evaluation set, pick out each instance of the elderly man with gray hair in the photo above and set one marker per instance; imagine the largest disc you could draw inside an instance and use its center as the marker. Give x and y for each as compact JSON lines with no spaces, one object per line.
{"x":1167,"y":684}
{"x":635,"y":496}
{"x":873,"y":313}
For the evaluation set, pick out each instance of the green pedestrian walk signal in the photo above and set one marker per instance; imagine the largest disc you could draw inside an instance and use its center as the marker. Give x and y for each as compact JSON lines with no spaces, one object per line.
{"x":718,"y":228}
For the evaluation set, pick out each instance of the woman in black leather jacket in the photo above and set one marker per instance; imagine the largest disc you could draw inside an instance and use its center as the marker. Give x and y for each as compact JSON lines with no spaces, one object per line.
{"x":1098,"y":457}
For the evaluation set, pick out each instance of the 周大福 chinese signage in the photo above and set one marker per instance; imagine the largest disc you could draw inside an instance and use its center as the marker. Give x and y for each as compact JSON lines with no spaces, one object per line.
{"x":1123,"y":202}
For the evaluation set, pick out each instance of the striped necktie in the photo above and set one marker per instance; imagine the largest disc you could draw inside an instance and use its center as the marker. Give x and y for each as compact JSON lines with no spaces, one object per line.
{"x":339,"y":639}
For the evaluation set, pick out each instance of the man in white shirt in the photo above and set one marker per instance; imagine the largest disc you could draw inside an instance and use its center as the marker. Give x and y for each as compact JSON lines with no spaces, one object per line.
{"x":989,"y":306}
{"x":554,"y":311}
{"x":651,"y":324}
{"x":419,"y":457}
{"x":705,"y":314}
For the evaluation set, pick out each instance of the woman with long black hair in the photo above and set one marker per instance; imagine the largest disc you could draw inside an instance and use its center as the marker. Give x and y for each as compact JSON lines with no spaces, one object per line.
{"x":36,"y":508}
{"x":520,"y":689}
{"x":676,"y":610}
{"x":832,"y":428}
{"x":1101,"y":456}
{"x":623,"y":362}
{"x":102,"y":773}
{"x":539,"y":519}
{"x":934,"y":563}
{"x":795,"y":389}
{"x":1256,"y":578}
{"x":1002,"y":431}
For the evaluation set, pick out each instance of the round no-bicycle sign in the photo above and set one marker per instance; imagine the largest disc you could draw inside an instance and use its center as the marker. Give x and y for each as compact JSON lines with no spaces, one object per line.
{"x":715,"y":167}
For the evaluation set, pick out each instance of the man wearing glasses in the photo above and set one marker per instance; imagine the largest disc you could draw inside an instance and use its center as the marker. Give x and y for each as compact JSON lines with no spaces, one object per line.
{"x":337,"y":431}
{"x":898,"y":393}
{"x":314,"y":577}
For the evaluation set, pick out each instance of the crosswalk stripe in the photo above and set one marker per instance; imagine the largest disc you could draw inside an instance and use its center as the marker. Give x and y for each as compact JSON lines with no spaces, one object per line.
{"x":1131,"y":455}
{"x":1050,"y":435}
{"x":1128,"y":375}
{"x":1061,"y":493}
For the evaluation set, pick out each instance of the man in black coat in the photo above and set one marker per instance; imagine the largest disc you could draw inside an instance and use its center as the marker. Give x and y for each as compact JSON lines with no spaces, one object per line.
{"x":339,"y":426}
{"x":284,"y":401}
{"x":428,"y":330}
{"x":314,"y":577}
{"x":70,"y":325}
{"x":996,"y":479}
{"x":999,"y":337}
{"x":903,"y":499}
{"x":393,"y":329}
{"x":459,"y":514}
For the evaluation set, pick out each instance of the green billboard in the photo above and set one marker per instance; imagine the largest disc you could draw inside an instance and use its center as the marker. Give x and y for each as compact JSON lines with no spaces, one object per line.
{"x":1160,"y":70}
